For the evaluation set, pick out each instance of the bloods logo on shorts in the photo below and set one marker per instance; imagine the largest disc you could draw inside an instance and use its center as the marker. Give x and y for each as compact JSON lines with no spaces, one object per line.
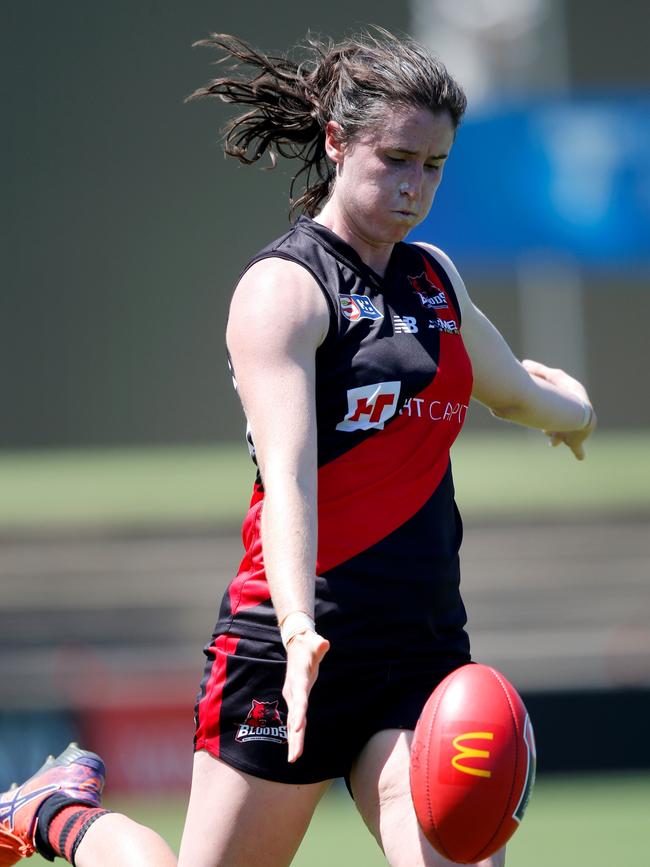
{"x":263,"y":723}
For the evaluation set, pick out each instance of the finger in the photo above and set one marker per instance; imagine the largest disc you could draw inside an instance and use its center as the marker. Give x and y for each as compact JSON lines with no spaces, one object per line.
{"x":296,"y":709}
{"x":296,"y":742}
{"x":578,"y":451}
{"x":554,"y":438}
{"x":295,"y":738}
{"x":295,"y":695}
{"x":304,"y":655}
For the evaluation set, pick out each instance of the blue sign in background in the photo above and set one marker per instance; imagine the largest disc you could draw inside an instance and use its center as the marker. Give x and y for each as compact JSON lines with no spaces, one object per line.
{"x":570,"y":175}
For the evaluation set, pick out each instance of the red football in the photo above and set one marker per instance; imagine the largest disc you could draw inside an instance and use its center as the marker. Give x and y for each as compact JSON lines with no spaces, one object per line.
{"x":472,"y":764}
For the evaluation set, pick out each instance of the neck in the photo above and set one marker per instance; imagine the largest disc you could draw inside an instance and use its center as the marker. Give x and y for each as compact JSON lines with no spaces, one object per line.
{"x":375,"y":254}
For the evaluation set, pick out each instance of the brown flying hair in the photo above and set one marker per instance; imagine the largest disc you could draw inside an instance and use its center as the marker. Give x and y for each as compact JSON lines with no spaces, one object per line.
{"x":291,"y":101}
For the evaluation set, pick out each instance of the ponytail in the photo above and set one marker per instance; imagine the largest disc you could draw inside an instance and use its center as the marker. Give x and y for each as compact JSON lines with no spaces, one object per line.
{"x":291,"y":103}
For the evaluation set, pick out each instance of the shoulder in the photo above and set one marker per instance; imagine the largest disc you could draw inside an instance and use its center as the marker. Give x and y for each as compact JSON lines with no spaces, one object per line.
{"x":442,"y":259}
{"x":277,"y":299}
{"x":452,"y":272}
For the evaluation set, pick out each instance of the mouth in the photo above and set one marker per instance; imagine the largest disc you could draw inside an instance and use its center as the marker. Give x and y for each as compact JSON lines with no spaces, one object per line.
{"x":410,"y":214}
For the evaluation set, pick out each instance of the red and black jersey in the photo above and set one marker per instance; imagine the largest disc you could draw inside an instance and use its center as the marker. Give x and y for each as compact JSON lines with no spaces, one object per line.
{"x":393,"y":382}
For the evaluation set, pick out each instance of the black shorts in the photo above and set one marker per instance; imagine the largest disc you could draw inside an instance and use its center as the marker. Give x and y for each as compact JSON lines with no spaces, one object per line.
{"x":241,"y":715}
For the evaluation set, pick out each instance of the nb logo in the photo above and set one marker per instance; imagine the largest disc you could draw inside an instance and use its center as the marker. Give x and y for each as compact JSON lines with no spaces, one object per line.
{"x":465,"y":753}
{"x":405,"y":324}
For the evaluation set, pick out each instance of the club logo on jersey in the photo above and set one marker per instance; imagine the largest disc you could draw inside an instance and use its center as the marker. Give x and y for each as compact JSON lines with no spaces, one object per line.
{"x":263,"y":723}
{"x":405,"y":324}
{"x":449,"y":326}
{"x":429,"y":294}
{"x":370,"y":406}
{"x":356,"y":307}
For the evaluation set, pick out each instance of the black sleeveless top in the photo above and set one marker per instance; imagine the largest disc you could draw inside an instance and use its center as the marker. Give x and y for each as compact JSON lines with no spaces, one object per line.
{"x":393,"y":382}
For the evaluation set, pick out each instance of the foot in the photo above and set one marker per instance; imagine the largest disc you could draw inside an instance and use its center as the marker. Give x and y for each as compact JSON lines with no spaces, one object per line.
{"x":76,"y":773}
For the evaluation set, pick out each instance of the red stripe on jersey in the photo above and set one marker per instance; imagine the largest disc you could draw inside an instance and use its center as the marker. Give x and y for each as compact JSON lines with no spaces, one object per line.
{"x":208,"y":711}
{"x":249,"y":588}
{"x":374,"y":488}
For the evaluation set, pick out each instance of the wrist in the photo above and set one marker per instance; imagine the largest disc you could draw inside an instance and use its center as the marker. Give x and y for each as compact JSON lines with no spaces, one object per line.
{"x":587,"y":416}
{"x":295,"y":623}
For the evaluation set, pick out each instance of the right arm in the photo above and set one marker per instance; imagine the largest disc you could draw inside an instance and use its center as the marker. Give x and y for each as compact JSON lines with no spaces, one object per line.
{"x":278,"y":318}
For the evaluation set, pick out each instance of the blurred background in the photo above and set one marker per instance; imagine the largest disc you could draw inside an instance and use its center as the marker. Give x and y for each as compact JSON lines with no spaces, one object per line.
{"x":123,"y":468}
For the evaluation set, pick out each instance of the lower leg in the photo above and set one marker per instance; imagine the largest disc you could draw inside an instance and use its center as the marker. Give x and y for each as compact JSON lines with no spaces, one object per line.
{"x":58,"y":812}
{"x":115,"y":840}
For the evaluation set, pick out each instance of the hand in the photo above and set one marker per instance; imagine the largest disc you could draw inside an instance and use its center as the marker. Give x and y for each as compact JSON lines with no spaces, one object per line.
{"x":304,"y":655}
{"x":573,"y":439}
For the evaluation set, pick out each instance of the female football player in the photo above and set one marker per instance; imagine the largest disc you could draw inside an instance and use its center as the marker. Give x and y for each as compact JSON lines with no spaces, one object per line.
{"x":355,"y":356}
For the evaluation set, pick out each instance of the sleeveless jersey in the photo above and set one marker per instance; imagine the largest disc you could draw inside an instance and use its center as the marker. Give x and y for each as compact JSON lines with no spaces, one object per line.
{"x":393,"y":382}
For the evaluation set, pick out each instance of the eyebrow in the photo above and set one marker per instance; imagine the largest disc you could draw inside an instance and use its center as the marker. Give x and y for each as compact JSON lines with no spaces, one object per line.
{"x":415,"y":153}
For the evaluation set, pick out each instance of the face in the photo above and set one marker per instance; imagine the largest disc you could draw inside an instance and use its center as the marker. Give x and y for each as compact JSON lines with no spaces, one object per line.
{"x":387,"y":176}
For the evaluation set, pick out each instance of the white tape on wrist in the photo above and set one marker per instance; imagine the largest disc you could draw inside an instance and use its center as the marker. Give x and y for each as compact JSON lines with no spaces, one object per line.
{"x":587,"y":416}
{"x":295,"y":624}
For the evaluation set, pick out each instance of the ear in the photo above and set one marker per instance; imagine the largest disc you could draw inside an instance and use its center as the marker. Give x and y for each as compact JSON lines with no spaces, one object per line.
{"x":334,"y":146}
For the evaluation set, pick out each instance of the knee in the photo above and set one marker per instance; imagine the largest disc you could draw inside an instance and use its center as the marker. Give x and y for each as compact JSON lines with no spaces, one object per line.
{"x":497,"y":860}
{"x":380,"y":777}
{"x":116,"y":838}
{"x":393,"y":811}
{"x":393,"y":789}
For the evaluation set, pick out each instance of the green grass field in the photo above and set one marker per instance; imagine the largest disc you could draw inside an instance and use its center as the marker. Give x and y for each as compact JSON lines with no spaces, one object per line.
{"x":499,"y":476}
{"x":599,"y":821}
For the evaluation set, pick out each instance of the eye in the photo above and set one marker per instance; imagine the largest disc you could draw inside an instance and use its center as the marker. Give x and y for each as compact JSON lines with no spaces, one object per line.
{"x":395,"y":159}
{"x":433,"y":168}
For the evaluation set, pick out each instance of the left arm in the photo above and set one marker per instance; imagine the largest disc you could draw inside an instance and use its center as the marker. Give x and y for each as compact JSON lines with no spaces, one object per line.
{"x":528,"y":393}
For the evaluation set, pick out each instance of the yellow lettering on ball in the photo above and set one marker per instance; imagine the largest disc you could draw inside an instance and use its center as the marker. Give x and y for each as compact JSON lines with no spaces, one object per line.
{"x":471,"y":753}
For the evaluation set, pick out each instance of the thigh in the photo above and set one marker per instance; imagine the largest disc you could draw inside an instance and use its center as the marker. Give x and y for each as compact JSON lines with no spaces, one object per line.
{"x":380,"y":786}
{"x":235,"y":819}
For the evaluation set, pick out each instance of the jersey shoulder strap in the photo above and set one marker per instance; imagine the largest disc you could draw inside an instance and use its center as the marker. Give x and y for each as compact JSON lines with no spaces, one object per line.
{"x":296,"y":246}
{"x":435,"y":262}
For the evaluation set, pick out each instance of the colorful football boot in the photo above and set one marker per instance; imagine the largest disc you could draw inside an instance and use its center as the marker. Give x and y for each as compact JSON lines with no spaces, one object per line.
{"x":76,"y":774}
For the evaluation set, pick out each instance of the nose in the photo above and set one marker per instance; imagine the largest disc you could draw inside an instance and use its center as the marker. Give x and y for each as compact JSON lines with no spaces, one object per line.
{"x":413,"y":186}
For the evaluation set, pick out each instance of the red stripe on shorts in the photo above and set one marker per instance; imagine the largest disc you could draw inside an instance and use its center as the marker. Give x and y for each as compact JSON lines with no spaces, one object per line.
{"x":208,"y":728}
